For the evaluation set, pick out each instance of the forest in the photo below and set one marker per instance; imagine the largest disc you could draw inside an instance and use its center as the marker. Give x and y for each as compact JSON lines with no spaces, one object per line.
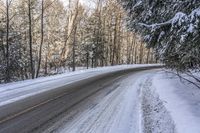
{"x":47,"y":37}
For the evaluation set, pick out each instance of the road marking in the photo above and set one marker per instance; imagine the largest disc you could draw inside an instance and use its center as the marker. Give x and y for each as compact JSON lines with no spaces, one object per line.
{"x":43,"y":103}
{"x":29,"y":109}
{"x":47,"y":101}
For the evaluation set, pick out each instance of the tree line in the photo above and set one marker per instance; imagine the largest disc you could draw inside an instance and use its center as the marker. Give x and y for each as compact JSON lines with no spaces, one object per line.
{"x":45,"y":37}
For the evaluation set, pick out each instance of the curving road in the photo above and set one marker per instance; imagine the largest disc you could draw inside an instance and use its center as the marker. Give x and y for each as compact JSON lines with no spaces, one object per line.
{"x":103,"y":104}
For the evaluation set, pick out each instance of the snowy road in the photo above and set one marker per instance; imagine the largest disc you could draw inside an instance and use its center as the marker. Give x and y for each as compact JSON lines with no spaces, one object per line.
{"x":113,"y":109}
{"x":107,"y":105}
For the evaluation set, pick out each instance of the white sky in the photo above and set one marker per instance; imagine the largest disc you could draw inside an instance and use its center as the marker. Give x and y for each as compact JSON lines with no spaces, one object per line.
{"x":89,"y":3}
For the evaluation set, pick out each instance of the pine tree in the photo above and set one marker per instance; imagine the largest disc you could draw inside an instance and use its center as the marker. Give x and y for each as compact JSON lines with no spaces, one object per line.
{"x":170,"y":27}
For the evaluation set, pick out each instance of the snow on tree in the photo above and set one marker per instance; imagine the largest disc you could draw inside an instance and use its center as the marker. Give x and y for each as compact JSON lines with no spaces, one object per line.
{"x":45,"y":37}
{"x":172,"y":28}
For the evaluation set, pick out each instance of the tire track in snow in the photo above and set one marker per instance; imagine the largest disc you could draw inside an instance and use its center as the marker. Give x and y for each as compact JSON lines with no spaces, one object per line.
{"x":113,"y":109}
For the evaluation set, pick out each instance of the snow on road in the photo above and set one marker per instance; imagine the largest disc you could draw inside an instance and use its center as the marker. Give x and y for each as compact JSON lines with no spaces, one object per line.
{"x":15,"y":91}
{"x":115,"y":109}
{"x":142,"y":102}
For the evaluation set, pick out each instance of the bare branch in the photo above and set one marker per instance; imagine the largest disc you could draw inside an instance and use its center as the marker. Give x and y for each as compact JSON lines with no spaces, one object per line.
{"x":10,"y":2}
{"x":193,"y":76}
{"x":181,"y":77}
{"x":3,"y":11}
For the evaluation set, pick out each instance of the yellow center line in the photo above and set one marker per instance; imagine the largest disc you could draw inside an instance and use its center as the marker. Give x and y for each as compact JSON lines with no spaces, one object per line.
{"x":29,"y":109}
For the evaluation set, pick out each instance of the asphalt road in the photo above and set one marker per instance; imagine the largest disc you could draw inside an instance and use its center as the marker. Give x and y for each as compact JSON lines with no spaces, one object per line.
{"x":36,"y":115}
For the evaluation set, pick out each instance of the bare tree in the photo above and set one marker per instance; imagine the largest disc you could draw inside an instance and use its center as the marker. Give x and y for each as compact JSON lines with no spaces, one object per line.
{"x":8,"y":2}
{"x":42,"y":37}
{"x":30,"y":37}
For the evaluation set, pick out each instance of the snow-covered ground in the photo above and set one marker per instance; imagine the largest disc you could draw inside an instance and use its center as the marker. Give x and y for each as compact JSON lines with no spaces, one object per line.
{"x":170,"y":105}
{"x":155,"y":116}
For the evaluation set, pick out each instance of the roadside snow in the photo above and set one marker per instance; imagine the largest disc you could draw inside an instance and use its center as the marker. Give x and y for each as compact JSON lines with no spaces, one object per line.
{"x":182,"y":100}
{"x":155,"y":118}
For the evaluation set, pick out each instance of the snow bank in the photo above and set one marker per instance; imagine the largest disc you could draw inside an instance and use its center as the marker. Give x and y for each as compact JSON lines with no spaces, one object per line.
{"x":181,"y":99}
{"x":154,"y":115}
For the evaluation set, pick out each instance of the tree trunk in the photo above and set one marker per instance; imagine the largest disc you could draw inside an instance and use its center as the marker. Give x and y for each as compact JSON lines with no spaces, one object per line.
{"x":87,"y":58}
{"x":134,"y":47}
{"x":115,"y":41}
{"x":92,"y":62}
{"x":46,"y":71}
{"x":7,"y":43}
{"x":148,"y":54}
{"x":141,"y":53}
{"x":42,"y":40}
{"x":136,"y":54}
{"x":30,"y":39}
{"x":74,"y":52}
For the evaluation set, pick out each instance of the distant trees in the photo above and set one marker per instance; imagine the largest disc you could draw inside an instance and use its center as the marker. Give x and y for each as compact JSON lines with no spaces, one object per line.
{"x":171,"y":28}
{"x":43,"y":37}
{"x":107,"y":40}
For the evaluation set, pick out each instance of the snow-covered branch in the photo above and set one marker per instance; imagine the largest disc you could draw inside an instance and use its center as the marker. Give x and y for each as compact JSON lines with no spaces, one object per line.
{"x":152,"y":26}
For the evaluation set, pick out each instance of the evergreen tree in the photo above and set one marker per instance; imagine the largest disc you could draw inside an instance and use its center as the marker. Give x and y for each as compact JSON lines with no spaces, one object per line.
{"x":172,"y":28}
